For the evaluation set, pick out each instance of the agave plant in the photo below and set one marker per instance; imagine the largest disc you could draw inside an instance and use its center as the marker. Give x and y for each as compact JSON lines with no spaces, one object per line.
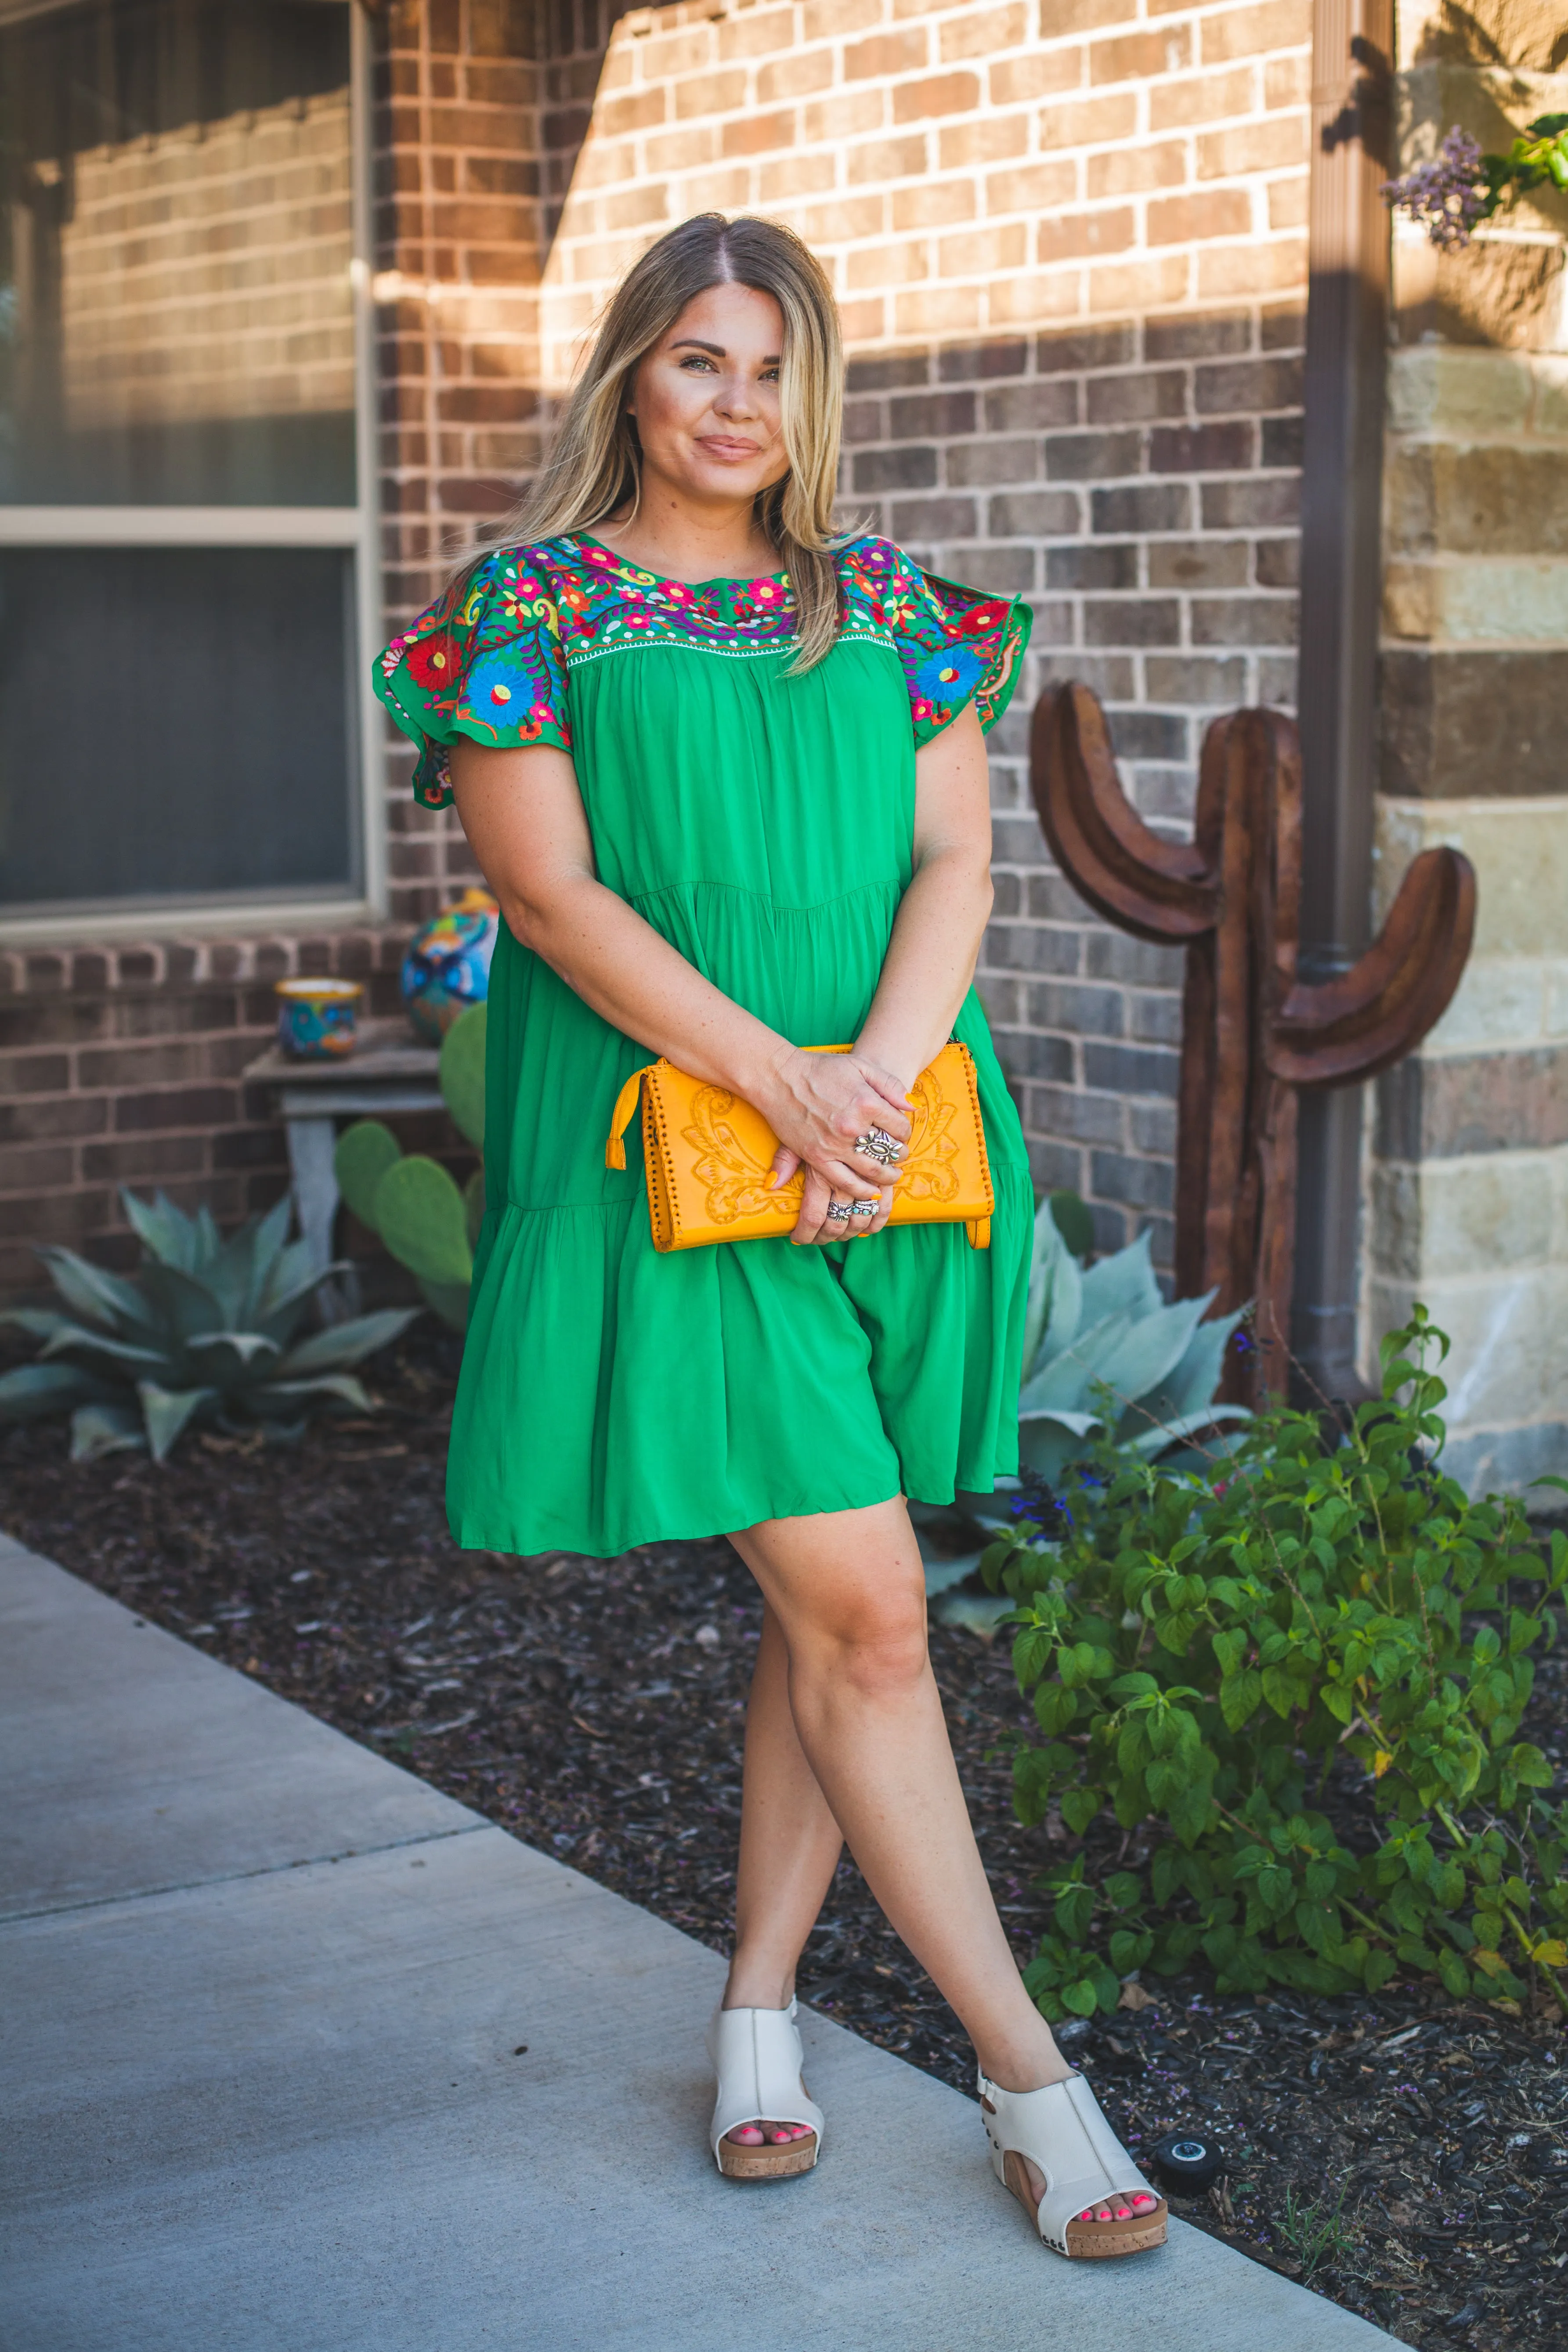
{"x":206,"y":1334}
{"x":1102,"y":1353}
{"x":424,"y":1220}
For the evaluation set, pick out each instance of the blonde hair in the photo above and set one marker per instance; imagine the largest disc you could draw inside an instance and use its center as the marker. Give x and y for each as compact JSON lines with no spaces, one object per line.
{"x":594,"y":464}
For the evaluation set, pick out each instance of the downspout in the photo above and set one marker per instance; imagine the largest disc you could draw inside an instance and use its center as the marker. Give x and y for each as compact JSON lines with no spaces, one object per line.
{"x":1347,"y":340}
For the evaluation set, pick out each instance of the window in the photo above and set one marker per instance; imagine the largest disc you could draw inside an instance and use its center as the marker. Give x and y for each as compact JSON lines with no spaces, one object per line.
{"x":188,"y":594}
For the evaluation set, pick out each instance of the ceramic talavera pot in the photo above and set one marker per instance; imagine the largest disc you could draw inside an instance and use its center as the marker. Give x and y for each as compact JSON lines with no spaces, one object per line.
{"x":316,"y":1018}
{"x":448,"y":966}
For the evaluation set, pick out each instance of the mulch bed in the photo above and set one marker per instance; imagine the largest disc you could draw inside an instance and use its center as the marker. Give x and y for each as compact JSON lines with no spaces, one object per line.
{"x":1405,"y":2154}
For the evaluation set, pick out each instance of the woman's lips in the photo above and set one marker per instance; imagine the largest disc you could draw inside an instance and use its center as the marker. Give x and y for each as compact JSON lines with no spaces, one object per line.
{"x":717,"y":446}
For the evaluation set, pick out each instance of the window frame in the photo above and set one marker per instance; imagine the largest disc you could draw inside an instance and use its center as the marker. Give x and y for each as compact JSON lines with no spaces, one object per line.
{"x":356,"y":530}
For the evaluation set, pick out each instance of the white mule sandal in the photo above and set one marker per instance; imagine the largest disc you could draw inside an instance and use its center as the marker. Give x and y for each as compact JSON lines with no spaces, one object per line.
{"x":757,"y":2057}
{"x":1061,"y":2132}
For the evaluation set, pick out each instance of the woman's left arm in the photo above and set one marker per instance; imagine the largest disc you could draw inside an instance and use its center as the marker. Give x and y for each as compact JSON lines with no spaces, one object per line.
{"x":942,"y":915}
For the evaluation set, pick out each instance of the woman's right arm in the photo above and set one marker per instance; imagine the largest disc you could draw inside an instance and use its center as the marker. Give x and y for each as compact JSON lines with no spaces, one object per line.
{"x":522,"y":812}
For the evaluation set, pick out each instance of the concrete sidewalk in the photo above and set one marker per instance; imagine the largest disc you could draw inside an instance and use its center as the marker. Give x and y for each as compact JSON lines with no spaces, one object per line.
{"x":262,"y":1996}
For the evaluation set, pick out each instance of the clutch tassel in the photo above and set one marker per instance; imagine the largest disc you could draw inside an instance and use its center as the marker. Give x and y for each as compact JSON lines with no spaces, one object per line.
{"x":626,"y":1102}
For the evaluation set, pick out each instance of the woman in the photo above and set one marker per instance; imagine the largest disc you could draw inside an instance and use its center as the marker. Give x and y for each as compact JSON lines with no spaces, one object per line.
{"x":726,"y":775}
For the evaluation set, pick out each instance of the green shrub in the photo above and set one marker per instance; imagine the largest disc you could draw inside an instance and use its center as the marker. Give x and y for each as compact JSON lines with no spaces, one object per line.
{"x":206,"y":1334}
{"x":1102,"y":1353}
{"x":1204,"y":1648}
{"x":423,"y":1219}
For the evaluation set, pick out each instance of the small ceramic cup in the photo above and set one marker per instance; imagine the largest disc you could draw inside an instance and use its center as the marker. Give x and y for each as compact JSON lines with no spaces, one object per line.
{"x":316,"y":1018}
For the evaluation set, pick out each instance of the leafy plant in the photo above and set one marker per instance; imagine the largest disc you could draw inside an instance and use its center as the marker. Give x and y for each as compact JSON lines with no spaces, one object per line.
{"x":206,"y":1334}
{"x":1450,"y":195}
{"x":1103,"y":1356}
{"x":415,"y":1206}
{"x":1203,"y":1649}
{"x":1315,"y":2233}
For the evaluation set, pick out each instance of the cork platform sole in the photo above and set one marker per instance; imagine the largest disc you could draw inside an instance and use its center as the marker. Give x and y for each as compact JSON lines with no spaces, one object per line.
{"x":1096,"y":2239}
{"x":767,"y":2163}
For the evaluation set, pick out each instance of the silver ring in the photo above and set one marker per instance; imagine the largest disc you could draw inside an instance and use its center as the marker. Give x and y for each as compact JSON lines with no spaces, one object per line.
{"x":839,"y":1212}
{"x":879,"y":1145}
{"x":864,"y":1208}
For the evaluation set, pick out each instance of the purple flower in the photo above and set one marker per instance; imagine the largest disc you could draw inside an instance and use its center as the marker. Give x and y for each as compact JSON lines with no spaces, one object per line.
{"x":1447,"y":196}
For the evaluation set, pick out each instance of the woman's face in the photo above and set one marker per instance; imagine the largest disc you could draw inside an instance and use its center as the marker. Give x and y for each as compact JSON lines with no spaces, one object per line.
{"x":706,"y":399}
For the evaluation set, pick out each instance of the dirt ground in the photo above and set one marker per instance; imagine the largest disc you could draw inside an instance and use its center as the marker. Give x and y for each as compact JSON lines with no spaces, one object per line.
{"x":1405,"y":2156}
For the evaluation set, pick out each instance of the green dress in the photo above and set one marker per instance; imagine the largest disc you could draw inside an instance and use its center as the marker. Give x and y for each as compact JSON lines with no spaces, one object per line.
{"x":610,"y":1395}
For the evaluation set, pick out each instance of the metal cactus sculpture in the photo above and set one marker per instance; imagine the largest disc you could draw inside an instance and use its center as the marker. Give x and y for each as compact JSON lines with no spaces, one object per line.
{"x":1253,"y":1032}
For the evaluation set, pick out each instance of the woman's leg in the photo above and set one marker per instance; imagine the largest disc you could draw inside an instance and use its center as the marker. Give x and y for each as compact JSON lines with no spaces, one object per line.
{"x":790,"y":1843}
{"x":845,"y":1591}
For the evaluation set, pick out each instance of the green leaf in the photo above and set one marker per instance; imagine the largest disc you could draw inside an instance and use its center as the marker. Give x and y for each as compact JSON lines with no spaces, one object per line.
{"x":166,"y":1413}
{"x":1078,"y":1807}
{"x":419,"y":1214}
{"x":99,"y":1297}
{"x":1082,"y":1997}
{"x":342,"y":1386}
{"x":340,"y":1345}
{"x":1240,"y":1696}
{"x":462,"y":1073}
{"x":1074,"y":1220}
{"x":364,"y":1153}
{"x":1529,"y":1767}
{"x":172,"y":1239}
{"x":33,"y":1391}
{"x":98,"y":1429}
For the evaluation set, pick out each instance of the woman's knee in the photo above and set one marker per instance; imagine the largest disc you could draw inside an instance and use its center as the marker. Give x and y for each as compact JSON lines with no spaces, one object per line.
{"x":872,"y":1637}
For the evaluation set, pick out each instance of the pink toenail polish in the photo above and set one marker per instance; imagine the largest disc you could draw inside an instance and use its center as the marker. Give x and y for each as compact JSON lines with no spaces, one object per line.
{"x":748,"y":2135}
{"x":1125,"y":2212}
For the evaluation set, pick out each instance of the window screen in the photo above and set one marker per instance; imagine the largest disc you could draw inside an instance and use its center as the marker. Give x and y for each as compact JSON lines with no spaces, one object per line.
{"x":178,"y":670}
{"x":175,"y":722}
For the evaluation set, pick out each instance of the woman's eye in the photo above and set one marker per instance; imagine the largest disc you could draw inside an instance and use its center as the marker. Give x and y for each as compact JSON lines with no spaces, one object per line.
{"x":697,"y":361}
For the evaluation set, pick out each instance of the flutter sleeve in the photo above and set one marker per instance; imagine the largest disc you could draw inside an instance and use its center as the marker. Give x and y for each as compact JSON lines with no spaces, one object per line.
{"x":956,"y":645}
{"x":485,"y":661}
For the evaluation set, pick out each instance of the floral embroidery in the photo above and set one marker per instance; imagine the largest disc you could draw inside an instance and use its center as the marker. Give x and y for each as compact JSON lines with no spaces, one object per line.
{"x":492,"y":658}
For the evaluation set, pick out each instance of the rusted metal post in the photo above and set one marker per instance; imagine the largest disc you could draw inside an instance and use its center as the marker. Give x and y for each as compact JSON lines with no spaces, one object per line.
{"x":1341,"y":586}
{"x":1255,"y":1035}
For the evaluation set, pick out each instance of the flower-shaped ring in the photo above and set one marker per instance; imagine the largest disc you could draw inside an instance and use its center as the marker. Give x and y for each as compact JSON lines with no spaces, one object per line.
{"x":878,"y":1145}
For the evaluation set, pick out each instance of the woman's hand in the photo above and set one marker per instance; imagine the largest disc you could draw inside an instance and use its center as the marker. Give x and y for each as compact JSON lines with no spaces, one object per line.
{"x":820,"y":1105}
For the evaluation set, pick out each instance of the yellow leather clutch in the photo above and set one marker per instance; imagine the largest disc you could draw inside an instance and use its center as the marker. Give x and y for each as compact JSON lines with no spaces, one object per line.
{"x":709,"y":1155}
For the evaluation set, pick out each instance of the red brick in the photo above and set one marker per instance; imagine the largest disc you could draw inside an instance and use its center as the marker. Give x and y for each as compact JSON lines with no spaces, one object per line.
{"x":34,"y":1074}
{"x":981,"y":32}
{"x":24,"y":1168}
{"x":887,"y":54}
{"x":52,"y":1217}
{"x":38,"y":1117}
{"x":52,"y":1021}
{"x":1194,"y":219}
{"x":201,"y":1107}
{"x":715,"y":93}
{"x":147,"y":1158}
{"x":953,"y":93}
{"x":753,"y":134}
{"x":1070,"y":236}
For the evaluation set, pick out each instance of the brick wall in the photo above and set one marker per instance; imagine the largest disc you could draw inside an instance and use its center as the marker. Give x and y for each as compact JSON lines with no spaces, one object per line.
{"x":1468,"y":1204}
{"x":460,"y":235}
{"x":121,"y":1066}
{"x":1066,"y":235}
{"x":1067,"y":240}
